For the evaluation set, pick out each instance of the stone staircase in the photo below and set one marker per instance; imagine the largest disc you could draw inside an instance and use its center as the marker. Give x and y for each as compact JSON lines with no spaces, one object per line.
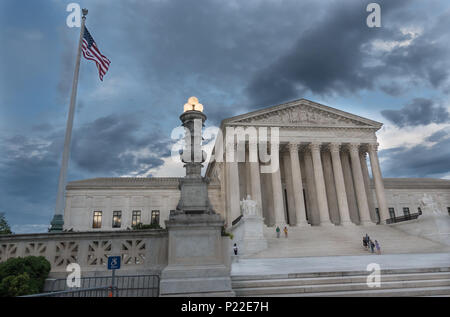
{"x":434,"y":281}
{"x":339,"y":240}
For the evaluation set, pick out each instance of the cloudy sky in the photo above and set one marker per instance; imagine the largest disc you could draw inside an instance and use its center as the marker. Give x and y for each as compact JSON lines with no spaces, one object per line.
{"x":235,"y":56}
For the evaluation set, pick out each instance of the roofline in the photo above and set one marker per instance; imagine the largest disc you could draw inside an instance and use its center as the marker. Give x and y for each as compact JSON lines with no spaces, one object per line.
{"x":310,"y":102}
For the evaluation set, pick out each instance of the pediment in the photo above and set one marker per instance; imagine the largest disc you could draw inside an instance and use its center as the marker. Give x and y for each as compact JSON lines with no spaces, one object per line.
{"x":302,"y":113}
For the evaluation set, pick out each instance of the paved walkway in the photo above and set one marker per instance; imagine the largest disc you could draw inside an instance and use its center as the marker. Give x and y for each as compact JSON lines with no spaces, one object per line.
{"x":284,"y":266}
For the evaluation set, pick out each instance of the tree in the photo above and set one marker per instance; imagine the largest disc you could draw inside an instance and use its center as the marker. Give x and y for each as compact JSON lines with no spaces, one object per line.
{"x":23,"y":276}
{"x":4,"y":226}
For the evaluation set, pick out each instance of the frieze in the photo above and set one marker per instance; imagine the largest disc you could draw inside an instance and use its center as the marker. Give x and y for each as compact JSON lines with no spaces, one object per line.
{"x":302,"y":115}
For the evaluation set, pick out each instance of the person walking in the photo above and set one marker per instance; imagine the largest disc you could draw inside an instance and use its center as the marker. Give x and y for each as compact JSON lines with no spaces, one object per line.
{"x":364,"y":243}
{"x":377,"y":246}
{"x":372,"y":246}
{"x":235,"y":249}
{"x":368,"y":242}
{"x":285,"y":232}
{"x":278,"y":231}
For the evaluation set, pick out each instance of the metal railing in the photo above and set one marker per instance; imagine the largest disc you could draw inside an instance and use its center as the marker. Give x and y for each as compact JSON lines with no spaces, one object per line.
{"x":402,"y":218}
{"x":82,"y":292}
{"x":235,"y":221}
{"x":124,"y":286}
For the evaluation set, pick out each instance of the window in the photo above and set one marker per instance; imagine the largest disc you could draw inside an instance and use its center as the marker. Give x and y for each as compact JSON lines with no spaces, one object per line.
{"x":406,"y":211}
{"x":136,"y":219}
{"x":155,"y":217}
{"x":117,"y":219}
{"x":391,"y":212}
{"x":97,"y":223}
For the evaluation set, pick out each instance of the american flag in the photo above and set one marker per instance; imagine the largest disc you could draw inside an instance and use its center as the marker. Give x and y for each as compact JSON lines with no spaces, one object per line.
{"x":92,"y":53}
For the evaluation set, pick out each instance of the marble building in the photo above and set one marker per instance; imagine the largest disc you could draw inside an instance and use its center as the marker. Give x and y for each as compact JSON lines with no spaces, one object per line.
{"x":329,"y":174}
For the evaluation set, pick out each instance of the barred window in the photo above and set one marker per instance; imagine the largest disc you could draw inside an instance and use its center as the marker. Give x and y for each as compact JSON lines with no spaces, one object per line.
{"x":97,"y":222}
{"x":117,"y":219}
{"x":406,"y":211}
{"x":391,"y":212}
{"x":136,"y":219}
{"x":155,"y":217}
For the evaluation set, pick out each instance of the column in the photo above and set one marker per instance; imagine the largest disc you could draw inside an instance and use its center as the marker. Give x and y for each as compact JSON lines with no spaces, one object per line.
{"x":361,"y":197}
{"x":378,"y":180}
{"x":297,"y":185}
{"x":278,"y":205}
{"x":366,"y":177}
{"x":255,"y":182}
{"x":311,"y":197}
{"x":289,"y":194}
{"x":327,"y":166}
{"x":233,"y":188}
{"x":320,"y":184}
{"x":344,"y":212}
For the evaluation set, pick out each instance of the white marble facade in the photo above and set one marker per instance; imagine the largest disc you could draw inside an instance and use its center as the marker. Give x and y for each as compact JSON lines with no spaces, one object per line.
{"x":329,"y":174}
{"x":126,"y":195}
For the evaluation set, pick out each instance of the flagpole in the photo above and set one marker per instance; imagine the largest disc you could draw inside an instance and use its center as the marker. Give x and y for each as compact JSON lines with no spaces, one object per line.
{"x":58,"y":219}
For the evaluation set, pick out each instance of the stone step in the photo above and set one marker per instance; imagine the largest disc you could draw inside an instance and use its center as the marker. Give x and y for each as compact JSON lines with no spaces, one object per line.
{"x":385,"y":272}
{"x":336,"y":280}
{"x":337,"y":288}
{"x":416,"y":292}
{"x":339,"y":240}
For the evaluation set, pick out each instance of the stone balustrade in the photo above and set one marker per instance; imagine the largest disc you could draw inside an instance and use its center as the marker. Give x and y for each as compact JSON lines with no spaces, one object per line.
{"x":143,"y":251}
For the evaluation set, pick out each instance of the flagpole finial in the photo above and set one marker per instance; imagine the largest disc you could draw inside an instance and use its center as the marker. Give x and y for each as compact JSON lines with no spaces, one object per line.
{"x":85,"y":12}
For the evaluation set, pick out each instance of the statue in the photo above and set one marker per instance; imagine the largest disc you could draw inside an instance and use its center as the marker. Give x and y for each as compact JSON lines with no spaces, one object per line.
{"x":249,"y":207}
{"x":428,"y":205}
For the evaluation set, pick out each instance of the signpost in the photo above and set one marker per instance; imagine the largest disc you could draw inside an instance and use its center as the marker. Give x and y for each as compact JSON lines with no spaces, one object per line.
{"x":113,"y":264}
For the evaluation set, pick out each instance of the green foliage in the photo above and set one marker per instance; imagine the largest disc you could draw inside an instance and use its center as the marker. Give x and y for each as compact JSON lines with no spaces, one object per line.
{"x":226,"y":234}
{"x":141,"y":226}
{"x":17,"y":285}
{"x":20,"y":276}
{"x":4,"y":226}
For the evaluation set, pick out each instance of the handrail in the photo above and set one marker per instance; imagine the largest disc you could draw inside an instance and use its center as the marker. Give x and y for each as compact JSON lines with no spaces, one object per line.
{"x":403,"y":218}
{"x":235,"y":221}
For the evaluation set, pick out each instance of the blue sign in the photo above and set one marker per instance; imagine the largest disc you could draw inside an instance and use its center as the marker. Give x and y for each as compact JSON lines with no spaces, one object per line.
{"x":113,"y":262}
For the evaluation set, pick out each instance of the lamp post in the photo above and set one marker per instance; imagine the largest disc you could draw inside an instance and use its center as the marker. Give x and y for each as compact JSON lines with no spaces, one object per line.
{"x":194,"y":188}
{"x":198,"y":254}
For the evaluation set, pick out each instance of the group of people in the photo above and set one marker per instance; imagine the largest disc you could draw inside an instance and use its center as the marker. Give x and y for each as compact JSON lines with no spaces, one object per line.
{"x":285,"y":232}
{"x":370,"y":245}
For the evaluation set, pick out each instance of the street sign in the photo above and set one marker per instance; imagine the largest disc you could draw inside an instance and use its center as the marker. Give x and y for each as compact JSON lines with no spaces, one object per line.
{"x":113,"y":262}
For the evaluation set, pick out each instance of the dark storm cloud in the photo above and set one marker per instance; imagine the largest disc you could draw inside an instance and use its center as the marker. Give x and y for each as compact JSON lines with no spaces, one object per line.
{"x":205,"y":48}
{"x":418,"y":161}
{"x":28,"y":179}
{"x":419,"y":111}
{"x":338,"y":55}
{"x":439,"y":135}
{"x":110,"y":144}
{"x":107,"y":146}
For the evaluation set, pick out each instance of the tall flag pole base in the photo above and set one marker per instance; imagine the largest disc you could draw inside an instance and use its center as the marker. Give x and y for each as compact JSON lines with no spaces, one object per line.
{"x":57,"y":224}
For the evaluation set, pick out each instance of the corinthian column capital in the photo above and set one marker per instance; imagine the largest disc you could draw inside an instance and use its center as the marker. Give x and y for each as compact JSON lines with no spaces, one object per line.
{"x":334,"y":147}
{"x":293,"y":147}
{"x":373,"y":147}
{"x":314,"y":146}
{"x":353,"y":147}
